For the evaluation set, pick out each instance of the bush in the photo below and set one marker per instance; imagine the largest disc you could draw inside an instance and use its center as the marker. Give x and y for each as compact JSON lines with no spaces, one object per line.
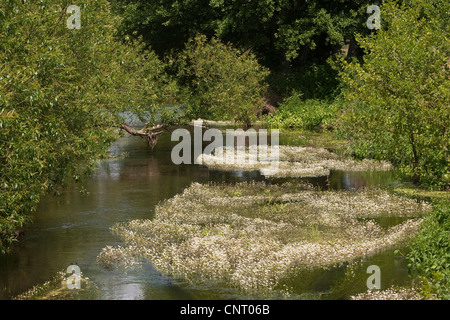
{"x":430,"y":252}
{"x":296,"y":113}
{"x":223,"y":82}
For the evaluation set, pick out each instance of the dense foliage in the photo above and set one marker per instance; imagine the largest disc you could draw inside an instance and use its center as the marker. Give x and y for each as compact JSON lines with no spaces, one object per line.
{"x":430,"y":252}
{"x":398,"y":98}
{"x":223,"y":83}
{"x":316,"y":81}
{"x":276,"y":30}
{"x":298,"y":113}
{"x":62,"y":92}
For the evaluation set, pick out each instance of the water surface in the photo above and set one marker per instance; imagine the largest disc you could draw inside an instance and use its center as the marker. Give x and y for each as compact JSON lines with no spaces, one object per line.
{"x":74,"y":227}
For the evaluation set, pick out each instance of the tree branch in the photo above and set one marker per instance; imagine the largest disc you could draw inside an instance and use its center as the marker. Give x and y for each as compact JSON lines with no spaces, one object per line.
{"x":152,"y":137}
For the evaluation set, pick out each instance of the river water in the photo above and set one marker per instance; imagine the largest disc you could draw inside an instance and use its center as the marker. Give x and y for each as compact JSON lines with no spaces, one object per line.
{"x":74,"y":227}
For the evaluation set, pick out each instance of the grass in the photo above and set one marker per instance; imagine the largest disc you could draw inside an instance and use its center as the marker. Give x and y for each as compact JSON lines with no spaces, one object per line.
{"x":422,"y":193}
{"x":325,"y":139}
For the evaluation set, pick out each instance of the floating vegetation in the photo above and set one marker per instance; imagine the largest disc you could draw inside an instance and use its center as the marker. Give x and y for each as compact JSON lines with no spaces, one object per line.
{"x":393,"y":293}
{"x":56,"y":289}
{"x":112,"y":257}
{"x":289,"y":162}
{"x":253,"y":236}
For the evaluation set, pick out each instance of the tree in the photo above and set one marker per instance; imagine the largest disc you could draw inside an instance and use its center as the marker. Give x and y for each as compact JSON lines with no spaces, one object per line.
{"x":399,"y":96}
{"x":223,"y":82}
{"x":63,"y":94}
{"x":277,"y":31}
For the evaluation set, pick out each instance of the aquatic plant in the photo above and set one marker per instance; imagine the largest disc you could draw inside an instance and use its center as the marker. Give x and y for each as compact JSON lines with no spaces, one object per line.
{"x":232,"y":235}
{"x":56,"y":289}
{"x":393,"y":293}
{"x":292,"y":161}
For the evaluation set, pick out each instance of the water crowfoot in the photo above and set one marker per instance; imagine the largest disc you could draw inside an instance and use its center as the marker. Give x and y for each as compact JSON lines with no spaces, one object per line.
{"x":252,"y":236}
{"x":292,"y":162}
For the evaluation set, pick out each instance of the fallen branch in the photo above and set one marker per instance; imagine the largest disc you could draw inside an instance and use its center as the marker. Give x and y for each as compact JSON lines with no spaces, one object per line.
{"x":146,"y":131}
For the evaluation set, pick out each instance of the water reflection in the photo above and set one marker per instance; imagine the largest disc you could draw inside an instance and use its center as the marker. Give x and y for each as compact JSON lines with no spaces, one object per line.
{"x":342,"y":180}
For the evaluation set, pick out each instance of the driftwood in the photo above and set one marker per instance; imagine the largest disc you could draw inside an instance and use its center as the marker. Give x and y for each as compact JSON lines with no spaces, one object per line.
{"x":146,"y":132}
{"x":149,"y":132}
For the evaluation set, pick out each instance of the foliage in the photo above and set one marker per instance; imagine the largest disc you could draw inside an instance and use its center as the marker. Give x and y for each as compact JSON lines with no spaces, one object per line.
{"x":430,"y":252}
{"x":62,"y":92}
{"x":296,"y":113}
{"x":313,"y":82}
{"x":398,"y":98}
{"x":318,"y":27}
{"x":223,"y":82}
{"x":276,"y":30}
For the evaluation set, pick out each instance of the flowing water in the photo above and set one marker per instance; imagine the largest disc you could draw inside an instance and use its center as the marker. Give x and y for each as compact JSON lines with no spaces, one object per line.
{"x":74,"y":227}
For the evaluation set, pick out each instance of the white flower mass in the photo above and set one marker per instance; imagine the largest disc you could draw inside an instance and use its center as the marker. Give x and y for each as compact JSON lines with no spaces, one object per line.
{"x":253,"y":236}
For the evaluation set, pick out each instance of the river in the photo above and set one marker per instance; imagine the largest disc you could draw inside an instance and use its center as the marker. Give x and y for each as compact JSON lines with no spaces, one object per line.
{"x":74,"y":227}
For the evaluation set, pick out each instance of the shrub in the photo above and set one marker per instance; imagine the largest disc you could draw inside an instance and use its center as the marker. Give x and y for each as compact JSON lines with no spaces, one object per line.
{"x":296,"y":113}
{"x":430,"y":252}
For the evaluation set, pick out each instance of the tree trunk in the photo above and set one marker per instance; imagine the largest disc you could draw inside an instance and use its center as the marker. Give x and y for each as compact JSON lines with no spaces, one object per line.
{"x":416,"y":167}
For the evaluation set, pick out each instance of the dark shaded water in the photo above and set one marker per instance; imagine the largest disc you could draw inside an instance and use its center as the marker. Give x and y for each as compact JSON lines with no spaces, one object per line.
{"x":74,"y":227}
